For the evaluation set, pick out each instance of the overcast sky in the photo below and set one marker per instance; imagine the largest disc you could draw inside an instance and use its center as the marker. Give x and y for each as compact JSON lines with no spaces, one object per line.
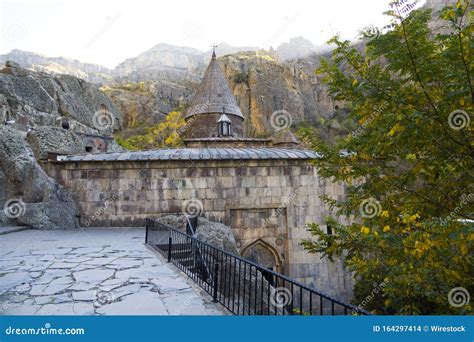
{"x":107,"y":32}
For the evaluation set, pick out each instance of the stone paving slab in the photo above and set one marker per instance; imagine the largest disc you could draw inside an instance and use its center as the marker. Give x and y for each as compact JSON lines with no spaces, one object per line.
{"x":93,"y":271}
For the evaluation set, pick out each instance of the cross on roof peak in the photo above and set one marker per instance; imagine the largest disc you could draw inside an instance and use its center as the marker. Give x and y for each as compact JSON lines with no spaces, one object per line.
{"x":214,"y":50}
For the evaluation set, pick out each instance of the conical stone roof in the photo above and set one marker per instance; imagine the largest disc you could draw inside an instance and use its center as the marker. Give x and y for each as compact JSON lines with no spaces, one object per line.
{"x":284,"y":138}
{"x":214,"y":94}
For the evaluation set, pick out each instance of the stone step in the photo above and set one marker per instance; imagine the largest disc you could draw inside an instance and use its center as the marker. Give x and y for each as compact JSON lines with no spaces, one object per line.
{"x":176,"y":247}
{"x":183,"y":254}
{"x":12,"y":229}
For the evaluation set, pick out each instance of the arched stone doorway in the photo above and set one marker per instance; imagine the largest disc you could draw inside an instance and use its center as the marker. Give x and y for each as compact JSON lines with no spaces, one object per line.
{"x":265,"y":255}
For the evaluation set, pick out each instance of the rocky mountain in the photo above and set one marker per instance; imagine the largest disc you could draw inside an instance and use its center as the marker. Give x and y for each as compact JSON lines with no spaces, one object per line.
{"x":170,"y":62}
{"x":225,"y":49}
{"x":163,"y":61}
{"x":298,"y":47}
{"x":59,"y":65}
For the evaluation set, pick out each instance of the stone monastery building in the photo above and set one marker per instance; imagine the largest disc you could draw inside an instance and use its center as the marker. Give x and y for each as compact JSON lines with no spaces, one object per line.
{"x":266,"y":190}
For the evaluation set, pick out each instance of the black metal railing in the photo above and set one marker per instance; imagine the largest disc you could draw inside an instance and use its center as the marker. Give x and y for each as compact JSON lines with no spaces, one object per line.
{"x":242,"y":286}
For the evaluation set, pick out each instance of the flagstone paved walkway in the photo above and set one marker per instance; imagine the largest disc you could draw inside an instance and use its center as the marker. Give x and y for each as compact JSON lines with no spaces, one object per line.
{"x":104,"y":271}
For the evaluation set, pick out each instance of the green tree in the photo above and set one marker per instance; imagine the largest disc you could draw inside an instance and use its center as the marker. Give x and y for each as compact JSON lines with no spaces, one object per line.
{"x":165,"y":134}
{"x":408,"y":166}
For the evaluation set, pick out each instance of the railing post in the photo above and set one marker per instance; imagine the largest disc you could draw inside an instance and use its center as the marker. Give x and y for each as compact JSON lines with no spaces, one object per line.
{"x":146,"y":230}
{"x":170,"y":244}
{"x":216,"y":276}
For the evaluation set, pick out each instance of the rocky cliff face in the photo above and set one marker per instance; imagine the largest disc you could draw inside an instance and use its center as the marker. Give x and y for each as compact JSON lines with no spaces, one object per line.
{"x":441,"y":26}
{"x":147,"y":103}
{"x":263,"y":85}
{"x":41,"y":113}
{"x":32,"y":99}
{"x":32,"y":197}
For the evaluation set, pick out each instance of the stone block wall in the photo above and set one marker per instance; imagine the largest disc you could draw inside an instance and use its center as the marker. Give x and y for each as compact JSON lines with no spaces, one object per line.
{"x":266,"y":202}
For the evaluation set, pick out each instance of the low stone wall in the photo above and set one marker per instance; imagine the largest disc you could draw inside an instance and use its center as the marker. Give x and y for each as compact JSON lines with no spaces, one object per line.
{"x":266,"y":202}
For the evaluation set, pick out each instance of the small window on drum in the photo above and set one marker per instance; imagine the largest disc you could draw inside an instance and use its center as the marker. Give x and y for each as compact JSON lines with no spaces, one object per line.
{"x":329,"y":230}
{"x":224,"y":126}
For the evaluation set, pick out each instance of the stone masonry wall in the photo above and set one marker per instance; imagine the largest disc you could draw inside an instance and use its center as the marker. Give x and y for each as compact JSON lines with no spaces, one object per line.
{"x":266,"y":202}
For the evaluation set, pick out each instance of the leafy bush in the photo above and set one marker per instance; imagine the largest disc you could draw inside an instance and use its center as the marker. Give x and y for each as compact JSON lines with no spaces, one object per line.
{"x":165,"y":134}
{"x":408,"y":166}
